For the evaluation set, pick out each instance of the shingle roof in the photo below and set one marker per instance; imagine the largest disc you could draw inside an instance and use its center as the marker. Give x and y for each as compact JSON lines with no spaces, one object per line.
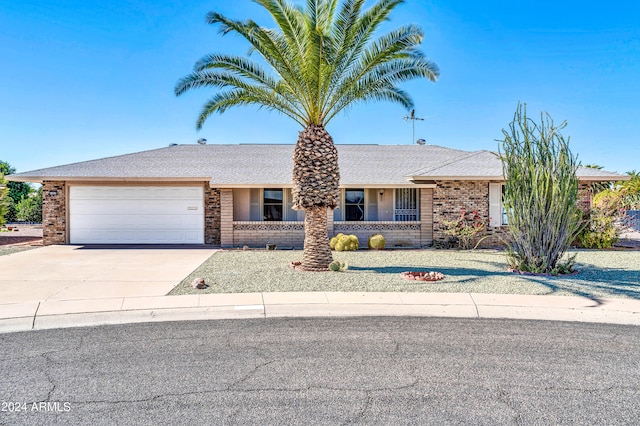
{"x":238,"y":165}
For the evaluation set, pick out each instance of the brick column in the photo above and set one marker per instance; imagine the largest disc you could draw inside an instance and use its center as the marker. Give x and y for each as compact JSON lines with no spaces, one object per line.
{"x":226,"y":218}
{"x":211,"y":216}
{"x":426,"y":216}
{"x":54,"y":213}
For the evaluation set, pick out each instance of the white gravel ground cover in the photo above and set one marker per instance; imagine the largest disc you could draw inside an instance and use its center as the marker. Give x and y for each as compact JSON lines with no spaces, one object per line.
{"x":14,"y":249}
{"x":601,"y":273}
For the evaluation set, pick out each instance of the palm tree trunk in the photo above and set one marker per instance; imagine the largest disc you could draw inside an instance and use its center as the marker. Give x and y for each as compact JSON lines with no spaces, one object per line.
{"x":315,"y":188}
{"x":317,"y":254}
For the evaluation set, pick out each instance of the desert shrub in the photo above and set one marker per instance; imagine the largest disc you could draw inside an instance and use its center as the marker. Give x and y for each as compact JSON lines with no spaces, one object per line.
{"x":376,"y":242}
{"x":464,"y":228}
{"x":600,"y":230}
{"x":540,"y":193}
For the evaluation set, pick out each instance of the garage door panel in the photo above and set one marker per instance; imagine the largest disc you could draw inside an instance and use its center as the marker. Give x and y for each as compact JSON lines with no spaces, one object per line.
{"x":136,"y":215}
{"x":133,"y":221}
{"x":139,"y":207}
{"x":132,"y":193}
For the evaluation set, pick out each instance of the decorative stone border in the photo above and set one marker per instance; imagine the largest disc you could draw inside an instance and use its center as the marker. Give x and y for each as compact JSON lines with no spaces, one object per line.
{"x":422,"y":276}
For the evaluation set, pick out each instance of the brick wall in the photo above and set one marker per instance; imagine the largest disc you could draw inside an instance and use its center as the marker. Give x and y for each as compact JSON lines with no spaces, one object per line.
{"x":212,"y":216}
{"x":450,"y":196}
{"x":54,"y":213}
{"x":226,"y":218}
{"x":426,"y":216}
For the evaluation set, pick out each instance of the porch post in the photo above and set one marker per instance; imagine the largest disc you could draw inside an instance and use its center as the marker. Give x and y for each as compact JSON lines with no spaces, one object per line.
{"x":226,"y":218}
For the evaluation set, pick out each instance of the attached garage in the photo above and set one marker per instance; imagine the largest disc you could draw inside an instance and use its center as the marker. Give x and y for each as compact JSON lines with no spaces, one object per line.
{"x":136,"y":215}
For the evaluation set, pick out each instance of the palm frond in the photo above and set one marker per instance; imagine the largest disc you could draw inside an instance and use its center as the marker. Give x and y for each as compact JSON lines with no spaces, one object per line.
{"x":320,"y":59}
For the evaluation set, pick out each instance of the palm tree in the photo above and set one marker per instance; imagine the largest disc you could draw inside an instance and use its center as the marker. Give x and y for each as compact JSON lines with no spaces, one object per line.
{"x":317,"y":61}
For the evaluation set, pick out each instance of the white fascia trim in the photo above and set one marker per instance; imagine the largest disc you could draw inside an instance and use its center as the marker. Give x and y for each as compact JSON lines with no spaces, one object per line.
{"x":440,"y":178}
{"x":40,"y":179}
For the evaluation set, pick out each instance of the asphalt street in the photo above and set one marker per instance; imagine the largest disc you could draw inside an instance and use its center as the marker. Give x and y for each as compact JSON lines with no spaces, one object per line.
{"x":323,"y":371}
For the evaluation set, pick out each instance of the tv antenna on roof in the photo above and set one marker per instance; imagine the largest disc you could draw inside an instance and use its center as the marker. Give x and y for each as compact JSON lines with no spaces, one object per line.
{"x":413,"y":118}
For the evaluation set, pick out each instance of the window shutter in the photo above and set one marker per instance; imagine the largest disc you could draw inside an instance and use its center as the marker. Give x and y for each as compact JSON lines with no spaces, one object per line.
{"x":495,"y":204}
{"x":255,"y":199}
{"x":289,"y":212}
{"x":337,"y":212}
{"x":372,"y":205}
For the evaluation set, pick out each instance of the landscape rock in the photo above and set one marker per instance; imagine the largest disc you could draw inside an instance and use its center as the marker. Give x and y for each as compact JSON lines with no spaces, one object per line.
{"x":199,"y":283}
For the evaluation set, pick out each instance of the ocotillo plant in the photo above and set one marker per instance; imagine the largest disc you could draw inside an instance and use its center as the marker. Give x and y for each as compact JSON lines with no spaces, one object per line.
{"x":540,"y":193}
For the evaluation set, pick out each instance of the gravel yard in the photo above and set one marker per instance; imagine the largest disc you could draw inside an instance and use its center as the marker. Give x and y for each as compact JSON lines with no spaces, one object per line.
{"x":5,"y":250}
{"x":614,"y":273}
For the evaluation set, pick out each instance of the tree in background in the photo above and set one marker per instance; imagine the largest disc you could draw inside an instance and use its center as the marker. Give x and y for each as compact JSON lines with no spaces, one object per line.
{"x":320,"y":59}
{"x":4,"y":205}
{"x":17,"y":190}
{"x":540,"y":193}
{"x":630,"y":191}
{"x":29,"y":209}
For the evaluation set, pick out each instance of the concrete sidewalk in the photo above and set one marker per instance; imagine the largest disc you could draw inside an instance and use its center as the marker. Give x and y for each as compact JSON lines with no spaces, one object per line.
{"x":118,"y":310}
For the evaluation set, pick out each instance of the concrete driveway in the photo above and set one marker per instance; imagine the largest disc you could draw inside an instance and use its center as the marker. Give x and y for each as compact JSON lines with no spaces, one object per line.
{"x":78,"y":272}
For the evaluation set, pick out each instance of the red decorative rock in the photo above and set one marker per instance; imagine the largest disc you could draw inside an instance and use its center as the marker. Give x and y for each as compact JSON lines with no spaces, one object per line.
{"x":422,"y":276}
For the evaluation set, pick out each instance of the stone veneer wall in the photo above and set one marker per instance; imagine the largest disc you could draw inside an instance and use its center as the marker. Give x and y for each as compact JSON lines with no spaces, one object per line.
{"x":212,"y":221}
{"x":54,"y":213}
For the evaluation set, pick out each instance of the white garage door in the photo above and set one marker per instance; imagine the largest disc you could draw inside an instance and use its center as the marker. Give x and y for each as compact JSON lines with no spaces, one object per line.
{"x":136,"y":215}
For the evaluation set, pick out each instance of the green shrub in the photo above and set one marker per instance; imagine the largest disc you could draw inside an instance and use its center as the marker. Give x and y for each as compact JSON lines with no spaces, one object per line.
{"x":376,"y":242}
{"x":4,"y":200}
{"x":29,"y":209}
{"x":600,"y":231}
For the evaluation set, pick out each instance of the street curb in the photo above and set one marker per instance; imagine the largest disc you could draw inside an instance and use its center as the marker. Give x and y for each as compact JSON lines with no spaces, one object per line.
{"x":81,"y":313}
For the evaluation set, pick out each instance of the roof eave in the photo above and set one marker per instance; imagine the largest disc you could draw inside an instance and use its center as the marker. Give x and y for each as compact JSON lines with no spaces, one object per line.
{"x":439,"y":178}
{"x":41,"y":179}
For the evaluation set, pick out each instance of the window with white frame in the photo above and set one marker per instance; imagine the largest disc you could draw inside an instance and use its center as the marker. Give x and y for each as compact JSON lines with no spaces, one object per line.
{"x":273,"y":204}
{"x":406,"y":205}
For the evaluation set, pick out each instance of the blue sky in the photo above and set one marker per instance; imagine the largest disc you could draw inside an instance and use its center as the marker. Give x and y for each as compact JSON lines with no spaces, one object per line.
{"x":81,"y":80}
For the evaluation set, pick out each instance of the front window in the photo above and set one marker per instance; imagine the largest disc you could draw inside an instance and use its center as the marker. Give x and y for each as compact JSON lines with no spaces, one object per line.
{"x":273,"y":202}
{"x":354,"y":204}
{"x":406,"y":205}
